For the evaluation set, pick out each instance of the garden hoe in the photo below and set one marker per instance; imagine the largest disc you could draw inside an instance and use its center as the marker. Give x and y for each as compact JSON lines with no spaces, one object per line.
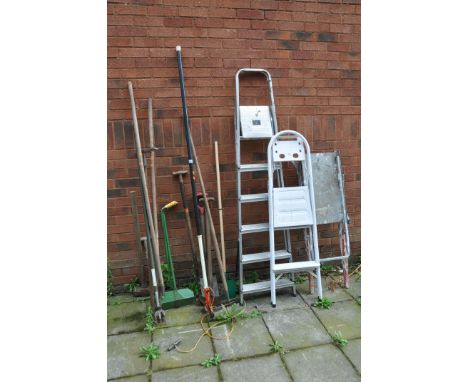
{"x":175,"y":297}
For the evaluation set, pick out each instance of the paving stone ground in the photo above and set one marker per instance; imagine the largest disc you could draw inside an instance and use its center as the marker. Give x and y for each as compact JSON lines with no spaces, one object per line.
{"x":305,"y":333}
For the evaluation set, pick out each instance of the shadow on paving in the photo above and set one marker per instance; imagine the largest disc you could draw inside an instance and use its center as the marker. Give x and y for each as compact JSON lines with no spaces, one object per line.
{"x":304,"y":332}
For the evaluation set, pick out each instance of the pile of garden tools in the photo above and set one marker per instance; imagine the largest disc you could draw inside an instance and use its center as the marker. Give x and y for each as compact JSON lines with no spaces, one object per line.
{"x":148,"y":246}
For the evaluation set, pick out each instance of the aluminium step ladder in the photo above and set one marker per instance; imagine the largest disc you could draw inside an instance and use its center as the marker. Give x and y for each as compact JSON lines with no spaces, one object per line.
{"x":256,"y":123}
{"x":330,"y":203}
{"x":292,"y":207}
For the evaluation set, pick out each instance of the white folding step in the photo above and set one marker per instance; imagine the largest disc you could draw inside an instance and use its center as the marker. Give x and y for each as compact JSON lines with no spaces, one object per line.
{"x":251,"y":198}
{"x":263,"y":286}
{"x":253,"y":167}
{"x":253,"y":228}
{"x":264,"y":256}
{"x":297,"y":266}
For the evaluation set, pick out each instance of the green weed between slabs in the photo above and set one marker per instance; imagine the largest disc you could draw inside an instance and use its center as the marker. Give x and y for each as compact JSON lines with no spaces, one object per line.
{"x":326,"y":269}
{"x":251,"y":277}
{"x":233,"y":313}
{"x":150,"y":352}
{"x":323,"y":303}
{"x":276,"y":347}
{"x":150,"y":325}
{"x":131,"y":287}
{"x":193,"y":285}
{"x":299,"y":279}
{"x":339,"y":339}
{"x":213,"y":361}
{"x":166,"y":275}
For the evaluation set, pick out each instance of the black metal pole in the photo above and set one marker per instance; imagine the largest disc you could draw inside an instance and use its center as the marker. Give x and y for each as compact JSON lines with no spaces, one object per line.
{"x":192,"y":178}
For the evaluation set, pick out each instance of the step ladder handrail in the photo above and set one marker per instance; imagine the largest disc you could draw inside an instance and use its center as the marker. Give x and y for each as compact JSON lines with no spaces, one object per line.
{"x":267,"y":74}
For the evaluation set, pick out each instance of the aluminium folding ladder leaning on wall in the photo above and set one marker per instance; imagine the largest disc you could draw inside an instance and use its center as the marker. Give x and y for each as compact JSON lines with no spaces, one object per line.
{"x":330,"y":202}
{"x":255,"y":123}
{"x":292,"y":207}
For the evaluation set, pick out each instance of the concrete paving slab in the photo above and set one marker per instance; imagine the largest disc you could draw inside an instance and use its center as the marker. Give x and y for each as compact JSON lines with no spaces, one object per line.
{"x":320,"y":363}
{"x":268,"y":368}
{"x":189,"y":314}
{"x":187,"y":374}
{"x":296,"y":328}
{"x":137,"y":378}
{"x":126,"y":317}
{"x":123,"y":352}
{"x":338,"y":294}
{"x":284,"y":300}
{"x":353,"y":351}
{"x":355,"y":287}
{"x":249,"y":338}
{"x":189,"y":334}
{"x":344,"y":316}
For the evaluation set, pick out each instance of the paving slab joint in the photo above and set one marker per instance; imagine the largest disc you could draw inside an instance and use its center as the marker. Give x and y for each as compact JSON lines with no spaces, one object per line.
{"x":283,"y":361}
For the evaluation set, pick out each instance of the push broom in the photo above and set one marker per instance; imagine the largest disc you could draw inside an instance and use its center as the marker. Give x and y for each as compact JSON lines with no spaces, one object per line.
{"x":175,"y":297}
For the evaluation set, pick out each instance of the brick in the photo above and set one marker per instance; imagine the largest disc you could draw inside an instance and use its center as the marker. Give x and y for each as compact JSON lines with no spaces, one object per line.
{"x":208,"y":62}
{"x":222,"y":33}
{"x":326,"y":37}
{"x":250,"y":14}
{"x":289,"y":44}
{"x":178,"y":22}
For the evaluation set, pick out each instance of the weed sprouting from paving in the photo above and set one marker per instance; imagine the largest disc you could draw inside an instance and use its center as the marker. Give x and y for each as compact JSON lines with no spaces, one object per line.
{"x":323,"y":303}
{"x":131,"y":286}
{"x":150,"y":352}
{"x":213,"y":361}
{"x":150,"y":325}
{"x":299,"y":279}
{"x":339,"y":339}
{"x":276,"y":347}
{"x":234,"y":313}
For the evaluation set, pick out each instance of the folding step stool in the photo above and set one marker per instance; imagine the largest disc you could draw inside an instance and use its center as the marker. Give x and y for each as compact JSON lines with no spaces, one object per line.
{"x":292,"y":207}
{"x":330,"y":202}
{"x":255,"y":123}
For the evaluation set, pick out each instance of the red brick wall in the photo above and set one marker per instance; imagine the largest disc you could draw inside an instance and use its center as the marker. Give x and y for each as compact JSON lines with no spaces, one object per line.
{"x":312,"y":50}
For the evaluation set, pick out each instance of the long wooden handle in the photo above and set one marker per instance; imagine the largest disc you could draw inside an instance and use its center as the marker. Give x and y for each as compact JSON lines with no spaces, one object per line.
{"x":136,"y":230}
{"x":145,"y":188}
{"x":153,"y":176}
{"x":220,"y":207}
{"x":210,"y":220}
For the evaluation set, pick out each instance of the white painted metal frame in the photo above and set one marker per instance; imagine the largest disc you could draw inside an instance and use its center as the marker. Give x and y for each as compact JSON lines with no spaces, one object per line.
{"x":274,"y":151}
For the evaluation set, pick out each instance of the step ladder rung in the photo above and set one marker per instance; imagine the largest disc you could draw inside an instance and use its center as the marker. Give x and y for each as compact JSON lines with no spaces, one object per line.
{"x":252,"y":228}
{"x":251,"y":198}
{"x":264,"y":256}
{"x":297,"y":266}
{"x":263,"y":227}
{"x":252,"y":138}
{"x":251,"y":167}
{"x":263,"y":286}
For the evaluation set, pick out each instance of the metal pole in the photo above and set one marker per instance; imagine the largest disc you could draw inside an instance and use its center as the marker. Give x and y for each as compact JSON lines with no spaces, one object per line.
{"x":136,"y":230}
{"x":220,"y":207}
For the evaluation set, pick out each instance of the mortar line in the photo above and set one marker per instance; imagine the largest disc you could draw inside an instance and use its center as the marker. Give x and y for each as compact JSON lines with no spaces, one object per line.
{"x":283,"y":361}
{"x":333,"y":342}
